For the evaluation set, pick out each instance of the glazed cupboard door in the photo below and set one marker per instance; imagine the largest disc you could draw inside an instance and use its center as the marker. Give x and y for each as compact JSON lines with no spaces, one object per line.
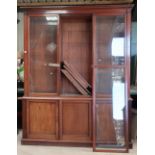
{"x":41,"y":55}
{"x":110,"y":95}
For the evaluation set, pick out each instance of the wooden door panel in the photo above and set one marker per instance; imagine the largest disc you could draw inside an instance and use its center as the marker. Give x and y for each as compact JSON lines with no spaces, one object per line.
{"x":105,"y":131}
{"x":42,"y":117}
{"x":76,"y":120}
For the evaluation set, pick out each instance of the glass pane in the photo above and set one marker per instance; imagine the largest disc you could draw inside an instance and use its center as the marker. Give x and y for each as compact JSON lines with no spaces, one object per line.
{"x":105,"y":79}
{"x":110,"y":40}
{"x":43,"y":54}
{"x":110,"y":113}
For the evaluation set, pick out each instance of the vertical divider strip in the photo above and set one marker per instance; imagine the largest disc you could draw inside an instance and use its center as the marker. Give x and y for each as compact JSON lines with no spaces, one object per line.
{"x":127,"y":77}
{"x":56,"y":120}
{"x":26,"y":53}
{"x":93,"y":79}
{"x":60,"y":120}
{"x":58,"y":57}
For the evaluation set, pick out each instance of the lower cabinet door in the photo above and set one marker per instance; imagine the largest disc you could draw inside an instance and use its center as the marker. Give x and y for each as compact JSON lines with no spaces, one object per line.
{"x":42,"y":118}
{"x":76,"y":121}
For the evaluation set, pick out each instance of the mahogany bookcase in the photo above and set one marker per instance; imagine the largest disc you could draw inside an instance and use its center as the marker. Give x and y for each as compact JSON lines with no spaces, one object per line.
{"x":77,"y":73}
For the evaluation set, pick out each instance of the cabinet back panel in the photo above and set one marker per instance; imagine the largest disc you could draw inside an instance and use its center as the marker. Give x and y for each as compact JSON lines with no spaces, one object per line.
{"x":76,"y":49}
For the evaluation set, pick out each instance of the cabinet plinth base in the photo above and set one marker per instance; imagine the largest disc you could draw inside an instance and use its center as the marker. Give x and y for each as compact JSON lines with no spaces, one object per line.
{"x":55,"y":143}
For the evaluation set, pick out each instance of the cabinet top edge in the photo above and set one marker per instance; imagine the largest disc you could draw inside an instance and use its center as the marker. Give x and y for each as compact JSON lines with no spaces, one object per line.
{"x":77,"y":7}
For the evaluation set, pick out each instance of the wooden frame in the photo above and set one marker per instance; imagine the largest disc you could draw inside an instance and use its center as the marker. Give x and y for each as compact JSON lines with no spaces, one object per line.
{"x":126,"y":66}
{"x":27,"y":55}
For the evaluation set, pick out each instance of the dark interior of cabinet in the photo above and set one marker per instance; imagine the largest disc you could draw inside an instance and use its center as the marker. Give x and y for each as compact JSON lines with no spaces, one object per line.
{"x":76,"y":50}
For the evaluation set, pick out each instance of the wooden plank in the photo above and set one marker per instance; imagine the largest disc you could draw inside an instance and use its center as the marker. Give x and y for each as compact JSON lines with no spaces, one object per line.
{"x":73,"y":73}
{"x":78,"y":80}
{"x":74,"y":82}
{"x":78,"y":77}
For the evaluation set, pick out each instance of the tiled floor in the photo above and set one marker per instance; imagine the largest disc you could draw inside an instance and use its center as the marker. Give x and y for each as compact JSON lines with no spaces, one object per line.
{"x":53,"y":150}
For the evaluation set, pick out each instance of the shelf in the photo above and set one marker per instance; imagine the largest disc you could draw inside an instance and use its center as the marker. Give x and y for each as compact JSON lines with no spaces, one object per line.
{"x":56,"y":98}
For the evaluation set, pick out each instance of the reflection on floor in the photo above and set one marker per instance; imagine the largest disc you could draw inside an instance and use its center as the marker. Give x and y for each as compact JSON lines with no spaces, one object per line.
{"x":56,"y":150}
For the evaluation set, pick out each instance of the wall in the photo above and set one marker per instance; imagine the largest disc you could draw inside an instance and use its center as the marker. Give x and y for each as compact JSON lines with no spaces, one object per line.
{"x":134,"y":38}
{"x":20,"y":33}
